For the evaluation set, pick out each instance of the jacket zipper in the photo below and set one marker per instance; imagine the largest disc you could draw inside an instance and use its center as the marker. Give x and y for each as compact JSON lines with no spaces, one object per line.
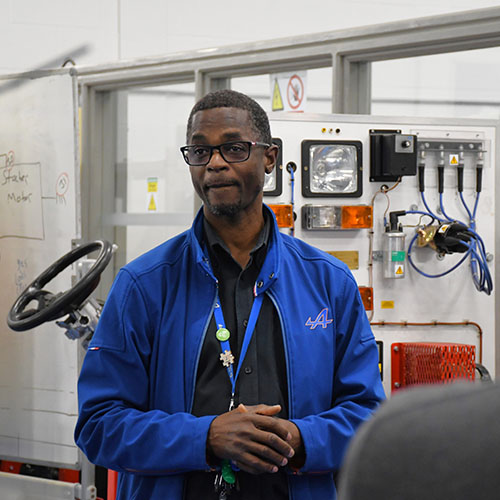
{"x":198,"y":354}
{"x":285,"y":346}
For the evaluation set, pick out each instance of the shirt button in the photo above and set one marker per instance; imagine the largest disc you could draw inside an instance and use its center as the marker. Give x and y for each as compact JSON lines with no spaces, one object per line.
{"x":248,"y":370}
{"x":245,"y":322}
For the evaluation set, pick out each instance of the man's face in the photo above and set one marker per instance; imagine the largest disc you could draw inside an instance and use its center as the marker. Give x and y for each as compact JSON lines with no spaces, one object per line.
{"x":229,"y":189}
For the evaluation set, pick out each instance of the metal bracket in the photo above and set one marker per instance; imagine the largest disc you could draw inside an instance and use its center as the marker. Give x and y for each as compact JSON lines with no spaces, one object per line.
{"x":90,"y":493}
{"x":452,"y":145}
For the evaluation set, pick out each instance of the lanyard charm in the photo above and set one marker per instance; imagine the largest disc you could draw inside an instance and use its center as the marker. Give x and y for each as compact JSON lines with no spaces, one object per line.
{"x":223,"y":336}
{"x":227,"y":358}
{"x":225,"y":481}
{"x":222,"y":488}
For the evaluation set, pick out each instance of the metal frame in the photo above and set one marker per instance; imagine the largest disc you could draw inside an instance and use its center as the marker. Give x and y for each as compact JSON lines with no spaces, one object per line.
{"x":15,"y":486}
{"x":349,"y":53}
{"x":307,"y":169}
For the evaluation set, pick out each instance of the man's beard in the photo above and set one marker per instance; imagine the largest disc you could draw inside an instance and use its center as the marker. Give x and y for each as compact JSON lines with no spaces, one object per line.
{"x":229,"y":210}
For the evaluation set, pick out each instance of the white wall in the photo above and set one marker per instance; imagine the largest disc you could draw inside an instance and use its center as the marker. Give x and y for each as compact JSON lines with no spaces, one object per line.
{"x":41,"y":33}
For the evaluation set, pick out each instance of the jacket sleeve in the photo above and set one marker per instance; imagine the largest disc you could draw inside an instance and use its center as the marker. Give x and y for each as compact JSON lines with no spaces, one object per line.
{"x":116,"y":427}
{"x":357,"y":387}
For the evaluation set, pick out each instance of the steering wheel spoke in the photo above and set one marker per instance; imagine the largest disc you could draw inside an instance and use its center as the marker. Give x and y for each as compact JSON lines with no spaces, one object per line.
{"x":36,"y":306}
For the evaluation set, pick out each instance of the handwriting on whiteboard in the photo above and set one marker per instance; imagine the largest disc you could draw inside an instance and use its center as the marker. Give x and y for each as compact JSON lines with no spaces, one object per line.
{"x":20,"y":199}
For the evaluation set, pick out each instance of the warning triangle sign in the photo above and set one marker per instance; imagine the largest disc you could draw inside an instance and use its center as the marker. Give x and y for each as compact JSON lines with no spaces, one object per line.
{"x":399,"y":270}
{"x":277,"y":100}
{"x":453,"y":159}
{"x":152,"y":204}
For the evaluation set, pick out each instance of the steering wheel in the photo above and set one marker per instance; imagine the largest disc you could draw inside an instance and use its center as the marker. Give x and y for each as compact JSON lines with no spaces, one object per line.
{"x":49,"y":306}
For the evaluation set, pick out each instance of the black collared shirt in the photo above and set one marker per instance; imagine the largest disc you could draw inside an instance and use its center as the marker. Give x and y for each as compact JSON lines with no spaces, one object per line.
{"x":262,"y":378}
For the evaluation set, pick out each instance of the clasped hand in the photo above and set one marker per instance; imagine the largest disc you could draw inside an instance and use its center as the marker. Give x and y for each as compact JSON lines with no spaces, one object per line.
{"x":253,"y":439}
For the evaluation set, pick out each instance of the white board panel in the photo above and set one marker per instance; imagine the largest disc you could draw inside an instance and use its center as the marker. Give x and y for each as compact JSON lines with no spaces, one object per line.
{"x":38,"y":206}
{"x":415,"y":298}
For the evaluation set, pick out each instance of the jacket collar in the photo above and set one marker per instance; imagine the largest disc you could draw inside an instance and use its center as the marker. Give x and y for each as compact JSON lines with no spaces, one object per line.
{"x":271,"y":267}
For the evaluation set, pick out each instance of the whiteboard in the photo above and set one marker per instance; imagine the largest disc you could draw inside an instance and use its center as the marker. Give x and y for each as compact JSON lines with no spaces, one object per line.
{"x":39,"y":165}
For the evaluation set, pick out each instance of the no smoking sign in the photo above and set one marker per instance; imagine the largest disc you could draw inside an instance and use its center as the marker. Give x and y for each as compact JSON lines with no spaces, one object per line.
{"x":288,"y":91}
{"x":295,"y":92}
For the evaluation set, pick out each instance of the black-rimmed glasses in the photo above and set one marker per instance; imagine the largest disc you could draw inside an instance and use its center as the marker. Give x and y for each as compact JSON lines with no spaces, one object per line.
{"x":199,"y":155}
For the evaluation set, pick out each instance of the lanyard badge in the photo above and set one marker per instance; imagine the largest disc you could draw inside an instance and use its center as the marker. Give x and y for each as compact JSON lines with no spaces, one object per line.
{"x":226,"y":479}
{"x":223,"y":336}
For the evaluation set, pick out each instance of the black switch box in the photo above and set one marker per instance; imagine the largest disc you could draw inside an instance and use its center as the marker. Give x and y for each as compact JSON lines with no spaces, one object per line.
{"x":392,"y":155}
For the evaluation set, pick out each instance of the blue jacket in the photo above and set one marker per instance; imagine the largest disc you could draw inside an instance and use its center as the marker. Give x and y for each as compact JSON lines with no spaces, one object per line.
{"x":137,"y":382}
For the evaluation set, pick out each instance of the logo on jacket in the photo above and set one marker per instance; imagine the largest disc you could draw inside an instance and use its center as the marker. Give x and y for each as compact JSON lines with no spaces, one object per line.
{"x":321,"y":319}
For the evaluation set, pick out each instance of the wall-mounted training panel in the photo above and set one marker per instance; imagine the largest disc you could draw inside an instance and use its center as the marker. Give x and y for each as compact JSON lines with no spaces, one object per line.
{"x":421,"y":199}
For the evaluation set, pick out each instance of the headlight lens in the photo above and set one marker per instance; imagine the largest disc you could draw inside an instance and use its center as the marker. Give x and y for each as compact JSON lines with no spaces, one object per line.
{"x":334,"y":169}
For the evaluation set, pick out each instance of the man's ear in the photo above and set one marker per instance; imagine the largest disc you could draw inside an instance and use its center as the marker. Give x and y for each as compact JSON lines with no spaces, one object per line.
{"x":271,"y":155}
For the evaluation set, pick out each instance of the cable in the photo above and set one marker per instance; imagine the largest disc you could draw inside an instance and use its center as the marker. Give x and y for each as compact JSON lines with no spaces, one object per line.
{"x":476,"y":249}
{"x":475,"y":208}
{"x":448,"y":218}
{"x":422,"y":213}
{"x":383,"y":190}
{"x":461,"y":195}
{"x":291,"y":170}
{"x":429,"y":211}
{"x":440,"y":275}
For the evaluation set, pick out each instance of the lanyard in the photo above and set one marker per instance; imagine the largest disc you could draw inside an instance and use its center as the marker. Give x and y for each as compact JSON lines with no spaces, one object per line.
{"x":226,"y":355}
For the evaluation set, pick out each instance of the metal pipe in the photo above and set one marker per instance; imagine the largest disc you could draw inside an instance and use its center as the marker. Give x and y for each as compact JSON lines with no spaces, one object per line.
{"x":438,"y":323}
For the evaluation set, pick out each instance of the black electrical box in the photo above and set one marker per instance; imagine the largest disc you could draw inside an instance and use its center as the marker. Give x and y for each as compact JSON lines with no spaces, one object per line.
{"x":392,"y":155}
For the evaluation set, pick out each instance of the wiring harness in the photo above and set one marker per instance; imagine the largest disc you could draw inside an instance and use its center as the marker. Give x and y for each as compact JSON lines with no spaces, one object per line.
{"x":451,"y":235}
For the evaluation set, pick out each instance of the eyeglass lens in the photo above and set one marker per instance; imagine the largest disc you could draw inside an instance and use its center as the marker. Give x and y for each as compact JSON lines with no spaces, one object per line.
{"x":231,"y":152}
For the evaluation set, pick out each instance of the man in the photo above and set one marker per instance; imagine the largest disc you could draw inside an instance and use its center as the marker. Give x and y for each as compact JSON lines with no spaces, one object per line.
{"x":231,"y":354}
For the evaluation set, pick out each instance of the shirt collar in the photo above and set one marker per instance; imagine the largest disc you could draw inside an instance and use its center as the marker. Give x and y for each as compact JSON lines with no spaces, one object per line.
{"x":213,"y":239}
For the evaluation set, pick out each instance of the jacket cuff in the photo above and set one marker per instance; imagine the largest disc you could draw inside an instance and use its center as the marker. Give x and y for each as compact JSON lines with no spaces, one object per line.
{"x":199,"y":442}
{"x":311,"y":441}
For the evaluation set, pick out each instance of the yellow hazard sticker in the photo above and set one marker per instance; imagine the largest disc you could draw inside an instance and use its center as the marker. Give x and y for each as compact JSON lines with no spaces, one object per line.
{"x":152,"y":204}
{"x":400,"y":270}
{"x":277,"y":100}
{"x":454,"y":160}
{"x":387,"y":304}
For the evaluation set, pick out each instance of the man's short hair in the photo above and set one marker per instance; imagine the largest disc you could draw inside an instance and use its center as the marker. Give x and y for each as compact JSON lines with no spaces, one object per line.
{"x":232,"y":99}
